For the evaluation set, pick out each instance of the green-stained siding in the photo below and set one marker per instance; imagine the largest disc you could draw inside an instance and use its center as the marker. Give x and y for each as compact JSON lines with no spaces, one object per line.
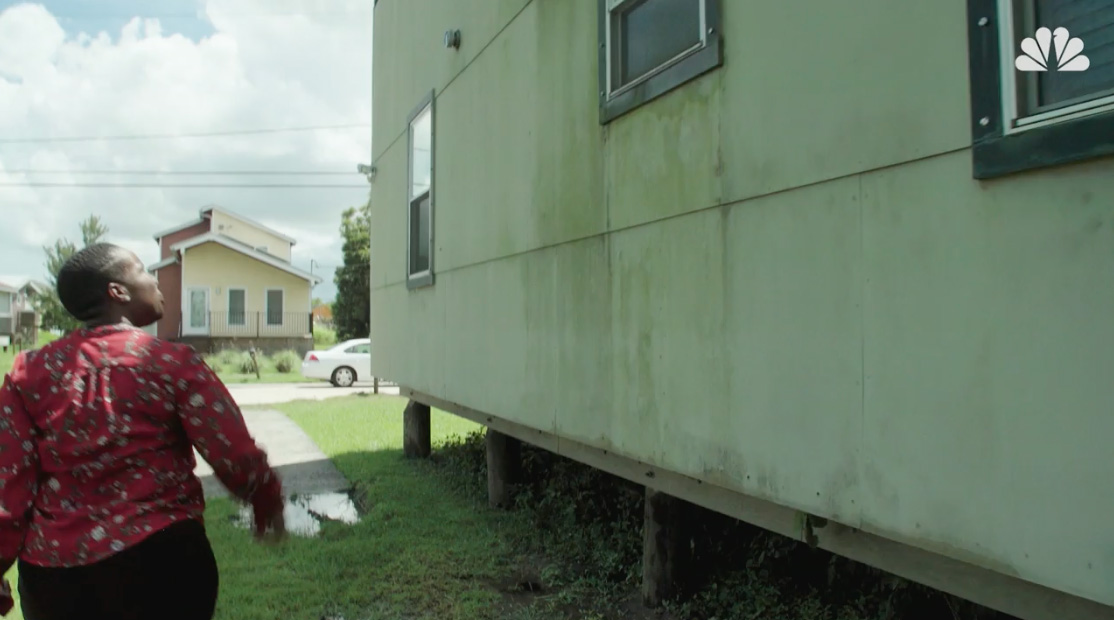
{"x":780,"y":278}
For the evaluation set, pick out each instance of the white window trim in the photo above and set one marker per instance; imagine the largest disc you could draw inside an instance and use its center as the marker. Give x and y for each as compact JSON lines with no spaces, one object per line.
{"x":1014,"y":122}
{"x":617,"y":6}
{"x":228,"y":304}
{"x":11,"y":305}
{"x":267,"y":308}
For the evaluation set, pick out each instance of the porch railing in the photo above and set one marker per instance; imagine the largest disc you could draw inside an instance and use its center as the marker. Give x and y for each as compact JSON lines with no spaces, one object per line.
{"x":256,"y":325}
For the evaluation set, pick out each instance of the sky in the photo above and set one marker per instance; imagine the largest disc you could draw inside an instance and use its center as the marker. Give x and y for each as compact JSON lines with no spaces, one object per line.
{"x":96,"y":69}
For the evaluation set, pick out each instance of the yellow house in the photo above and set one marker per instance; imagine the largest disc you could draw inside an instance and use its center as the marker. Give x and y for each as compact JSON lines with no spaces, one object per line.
{"x":228,"y":282}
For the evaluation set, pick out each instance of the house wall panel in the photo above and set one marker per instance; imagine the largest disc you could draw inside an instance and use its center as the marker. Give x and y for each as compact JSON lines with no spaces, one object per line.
{"x":170,"y":283}
{"x":780,"y":278}
{"x":167,"y":242}
{"x":246,"y":233}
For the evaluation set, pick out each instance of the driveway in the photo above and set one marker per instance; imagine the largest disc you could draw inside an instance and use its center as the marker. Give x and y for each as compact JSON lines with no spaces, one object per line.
{"x":248,"y":395}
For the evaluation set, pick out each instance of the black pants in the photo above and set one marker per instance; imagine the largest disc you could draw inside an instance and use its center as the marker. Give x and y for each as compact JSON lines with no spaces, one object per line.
{"x":172,"y":575}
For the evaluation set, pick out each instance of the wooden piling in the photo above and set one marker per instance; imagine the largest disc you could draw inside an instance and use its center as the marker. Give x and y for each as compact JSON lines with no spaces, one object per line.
{"x":662,"y":548}
{"x":415,"y":431}
{"x":504,"y":463}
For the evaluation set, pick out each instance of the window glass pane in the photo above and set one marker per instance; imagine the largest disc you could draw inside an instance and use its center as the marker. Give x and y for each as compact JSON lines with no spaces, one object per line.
{"x":236,"y":307}
{"x":5,"y":303}
{"x":421,"y":145}
{"x":419,"y":235}
{"x":1092,"y":21}
{"x":274,"y":307}
{"x":652,"y":32}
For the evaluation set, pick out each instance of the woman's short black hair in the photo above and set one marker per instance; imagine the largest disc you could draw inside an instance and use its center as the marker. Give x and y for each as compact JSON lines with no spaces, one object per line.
{"x":84,"y":278}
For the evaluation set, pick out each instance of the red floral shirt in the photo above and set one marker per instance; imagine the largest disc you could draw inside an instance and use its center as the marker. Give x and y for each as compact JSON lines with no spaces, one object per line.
{"x":97,"y":432}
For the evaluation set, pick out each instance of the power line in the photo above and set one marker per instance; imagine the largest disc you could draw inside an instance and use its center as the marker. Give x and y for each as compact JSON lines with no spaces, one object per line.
{"x":194,"y":15}
{"x":187,"y":185}
{"x":212,"y":134}
{"x":182,"y":172}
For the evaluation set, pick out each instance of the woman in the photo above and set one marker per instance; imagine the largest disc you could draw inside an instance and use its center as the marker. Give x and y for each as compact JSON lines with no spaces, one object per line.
{"x":98,"y":500}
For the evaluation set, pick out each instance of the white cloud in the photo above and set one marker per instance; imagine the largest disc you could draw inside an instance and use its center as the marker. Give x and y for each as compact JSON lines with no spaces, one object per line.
{"x":268,"y":64}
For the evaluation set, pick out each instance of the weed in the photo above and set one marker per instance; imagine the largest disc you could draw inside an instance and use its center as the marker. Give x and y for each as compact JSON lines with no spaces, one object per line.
{"x":286,"y":361}
{"x":590,"y":524}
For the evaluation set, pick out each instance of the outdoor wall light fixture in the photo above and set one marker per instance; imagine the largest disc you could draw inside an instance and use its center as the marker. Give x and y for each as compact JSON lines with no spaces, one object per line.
{"x":367,"y":171}
{"x":452,"y":39}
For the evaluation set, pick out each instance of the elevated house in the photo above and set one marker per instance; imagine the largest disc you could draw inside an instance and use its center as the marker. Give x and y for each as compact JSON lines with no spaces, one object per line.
{"x":19,"y":322}
{"x":838,"y":269}
{"x":228,"y":282}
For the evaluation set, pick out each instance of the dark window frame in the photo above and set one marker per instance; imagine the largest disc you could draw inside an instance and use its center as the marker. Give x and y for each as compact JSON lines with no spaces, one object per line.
{"x":421,"y":279}
{"x":664,"y":80}
{"x":996,"y":153}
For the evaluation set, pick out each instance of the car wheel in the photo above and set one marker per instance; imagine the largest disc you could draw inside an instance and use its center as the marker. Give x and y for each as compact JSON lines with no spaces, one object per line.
{"x":344,"y":377}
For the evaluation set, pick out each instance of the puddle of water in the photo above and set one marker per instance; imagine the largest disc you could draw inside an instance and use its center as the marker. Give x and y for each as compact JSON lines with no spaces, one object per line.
{"x":305,"y":513}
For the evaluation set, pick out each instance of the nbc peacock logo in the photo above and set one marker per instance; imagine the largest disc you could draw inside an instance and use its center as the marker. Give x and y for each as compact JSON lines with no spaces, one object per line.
{"x":1068,"y":52}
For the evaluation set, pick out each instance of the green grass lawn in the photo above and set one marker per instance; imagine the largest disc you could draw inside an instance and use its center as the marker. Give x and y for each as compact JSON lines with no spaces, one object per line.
{"x":7,"y":357}
{"x":421,"y":550}
{"x":265,"y":376}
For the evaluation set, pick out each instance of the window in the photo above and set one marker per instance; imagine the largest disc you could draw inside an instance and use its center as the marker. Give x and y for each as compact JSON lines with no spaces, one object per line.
{"x":1025,"y":119}
{"x":650,"y":47}
{"x":419,"y":196}
{"x":237,"y":307}
{"x":5,"y":303}
{"x":361,"y":349}
{"x":274,"y":306}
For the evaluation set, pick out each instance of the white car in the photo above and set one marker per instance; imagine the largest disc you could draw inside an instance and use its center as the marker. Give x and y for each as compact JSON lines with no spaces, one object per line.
{"x":342,"y":365}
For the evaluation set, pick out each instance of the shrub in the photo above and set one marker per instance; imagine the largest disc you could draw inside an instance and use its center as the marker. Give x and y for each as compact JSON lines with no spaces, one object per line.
{"x":323,"y":337}
{"x":590,"y":524}
{"x":286,"y":361}
{"x":228,"y":358}
{"x":243,"y":363}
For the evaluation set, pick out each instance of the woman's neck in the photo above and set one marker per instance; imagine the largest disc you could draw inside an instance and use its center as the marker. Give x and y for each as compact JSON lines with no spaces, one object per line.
{"x":107,"y":322}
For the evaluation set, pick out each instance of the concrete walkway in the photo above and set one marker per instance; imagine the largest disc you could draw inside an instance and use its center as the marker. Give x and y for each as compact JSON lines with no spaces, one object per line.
{"x":304,"y":468}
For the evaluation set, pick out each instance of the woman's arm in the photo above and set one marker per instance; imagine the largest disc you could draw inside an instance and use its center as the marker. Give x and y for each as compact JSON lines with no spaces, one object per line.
{"x":19,"y":475}
{"x":216,"y":428}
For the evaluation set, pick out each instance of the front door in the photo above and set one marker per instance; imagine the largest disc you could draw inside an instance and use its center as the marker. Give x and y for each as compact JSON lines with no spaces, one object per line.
{"x":195,"y":316}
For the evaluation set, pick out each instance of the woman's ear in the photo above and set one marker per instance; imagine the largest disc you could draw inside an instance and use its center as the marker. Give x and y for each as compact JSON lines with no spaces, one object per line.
{"x":119,"y":293}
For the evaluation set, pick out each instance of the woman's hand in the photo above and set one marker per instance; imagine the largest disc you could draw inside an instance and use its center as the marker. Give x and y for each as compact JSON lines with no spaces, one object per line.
{"x":7,"y":602}
{"x":270,"y":528}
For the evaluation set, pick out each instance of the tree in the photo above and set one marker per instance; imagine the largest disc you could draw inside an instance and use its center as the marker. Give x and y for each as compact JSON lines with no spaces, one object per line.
{"x":50,"y":308}
{"x":352,"y":308}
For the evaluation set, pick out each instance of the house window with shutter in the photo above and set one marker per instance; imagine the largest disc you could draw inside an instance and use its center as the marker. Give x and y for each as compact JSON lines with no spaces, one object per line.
{"x":1042,"y":83}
